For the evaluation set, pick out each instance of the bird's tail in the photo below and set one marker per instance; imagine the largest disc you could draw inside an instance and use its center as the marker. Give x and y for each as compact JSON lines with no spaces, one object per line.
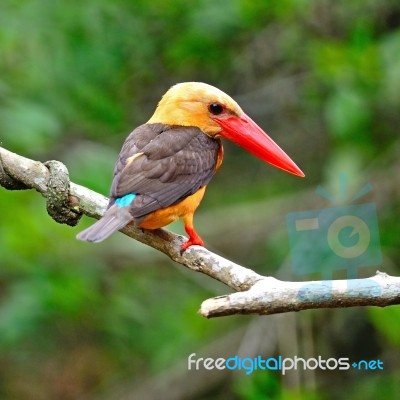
{"x":113,"y":220}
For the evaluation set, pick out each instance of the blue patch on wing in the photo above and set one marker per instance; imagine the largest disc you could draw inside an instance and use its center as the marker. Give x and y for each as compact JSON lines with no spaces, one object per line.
{"x":125,"y":200}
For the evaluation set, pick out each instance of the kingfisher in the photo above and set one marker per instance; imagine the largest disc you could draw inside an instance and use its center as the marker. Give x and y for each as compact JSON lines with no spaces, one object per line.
{"x":165,"y":165}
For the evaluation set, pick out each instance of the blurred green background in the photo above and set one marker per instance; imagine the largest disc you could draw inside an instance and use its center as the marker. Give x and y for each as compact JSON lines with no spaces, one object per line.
{"x":118,"y":320}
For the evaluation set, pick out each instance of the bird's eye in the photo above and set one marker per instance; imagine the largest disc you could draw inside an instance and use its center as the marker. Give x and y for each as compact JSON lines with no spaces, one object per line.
{"x":215,"y":108}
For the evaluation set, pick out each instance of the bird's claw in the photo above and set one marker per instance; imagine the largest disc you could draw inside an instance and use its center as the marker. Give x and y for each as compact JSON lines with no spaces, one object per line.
{"x":191,"y":242}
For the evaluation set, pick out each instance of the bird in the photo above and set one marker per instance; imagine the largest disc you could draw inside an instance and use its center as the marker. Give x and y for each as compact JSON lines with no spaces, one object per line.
{"x":166,"y":164}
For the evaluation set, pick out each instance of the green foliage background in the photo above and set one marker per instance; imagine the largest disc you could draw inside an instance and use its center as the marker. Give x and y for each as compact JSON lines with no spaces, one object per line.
{"x":118,"y":320}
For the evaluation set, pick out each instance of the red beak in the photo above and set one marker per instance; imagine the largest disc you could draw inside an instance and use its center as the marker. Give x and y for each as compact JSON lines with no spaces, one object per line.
{"x":247,"y":134}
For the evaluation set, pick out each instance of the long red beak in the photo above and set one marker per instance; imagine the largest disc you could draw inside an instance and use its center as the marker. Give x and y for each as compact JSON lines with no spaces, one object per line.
{"x":247,"y":134}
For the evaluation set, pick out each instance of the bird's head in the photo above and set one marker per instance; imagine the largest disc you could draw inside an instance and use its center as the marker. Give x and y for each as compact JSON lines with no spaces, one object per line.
{"x":217,"y":114}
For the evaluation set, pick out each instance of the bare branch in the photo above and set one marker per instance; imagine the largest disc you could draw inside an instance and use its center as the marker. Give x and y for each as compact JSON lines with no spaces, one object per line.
{"x":28,"y":174}
{"x":67,"y":201}
{"x":272,"y":296}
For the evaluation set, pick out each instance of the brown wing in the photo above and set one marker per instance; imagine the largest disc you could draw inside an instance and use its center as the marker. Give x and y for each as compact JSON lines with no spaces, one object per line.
{"x":139,"y":138}
{"x":175,"y":162}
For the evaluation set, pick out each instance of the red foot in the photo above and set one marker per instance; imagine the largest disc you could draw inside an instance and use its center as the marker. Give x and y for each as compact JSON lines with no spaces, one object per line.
{"x":194,"y":239}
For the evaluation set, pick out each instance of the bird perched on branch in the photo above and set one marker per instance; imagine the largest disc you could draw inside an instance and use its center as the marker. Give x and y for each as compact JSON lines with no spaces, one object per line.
{"x":165,"y":165}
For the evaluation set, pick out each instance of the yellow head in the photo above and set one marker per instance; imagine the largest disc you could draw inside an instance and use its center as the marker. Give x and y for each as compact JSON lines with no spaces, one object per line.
{"x":215,"y":113}
{"x":194,"y":104}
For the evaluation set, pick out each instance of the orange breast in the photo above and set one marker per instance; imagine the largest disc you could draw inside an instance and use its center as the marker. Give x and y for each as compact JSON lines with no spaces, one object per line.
{"x":186,"y":207}
{"x":165,"y":216}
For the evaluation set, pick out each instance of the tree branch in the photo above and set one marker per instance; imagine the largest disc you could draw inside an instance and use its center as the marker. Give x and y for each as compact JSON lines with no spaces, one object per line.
{"x":67,"y":201}
{"x":272,"y":296}
{"x":17,"y":172}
